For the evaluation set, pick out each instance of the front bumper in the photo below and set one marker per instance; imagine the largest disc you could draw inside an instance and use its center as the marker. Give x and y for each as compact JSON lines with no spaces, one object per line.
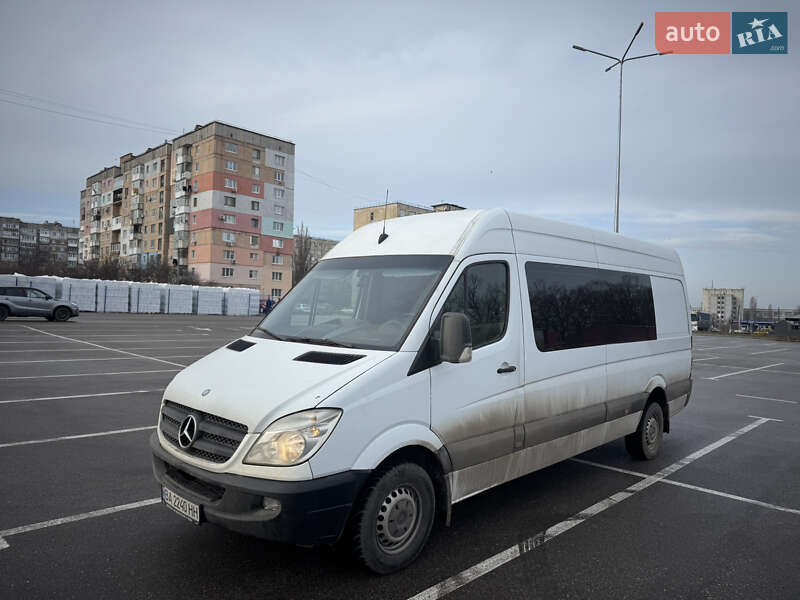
{"x":312,"y":512}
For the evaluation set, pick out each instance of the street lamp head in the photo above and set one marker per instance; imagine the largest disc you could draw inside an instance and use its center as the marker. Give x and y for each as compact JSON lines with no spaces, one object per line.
{"x":579,"y":48}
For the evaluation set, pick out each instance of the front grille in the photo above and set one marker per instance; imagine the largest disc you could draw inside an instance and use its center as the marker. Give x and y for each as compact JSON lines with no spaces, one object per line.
{"x":217,"y":438}
{"x":211,"y":492}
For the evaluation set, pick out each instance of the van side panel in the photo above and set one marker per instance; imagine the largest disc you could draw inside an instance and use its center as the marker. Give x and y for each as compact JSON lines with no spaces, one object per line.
{"x":674,"y":339}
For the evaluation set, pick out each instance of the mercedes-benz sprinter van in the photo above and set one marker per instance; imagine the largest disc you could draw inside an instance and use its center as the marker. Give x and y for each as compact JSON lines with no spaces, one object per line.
{"x":411,"y":370}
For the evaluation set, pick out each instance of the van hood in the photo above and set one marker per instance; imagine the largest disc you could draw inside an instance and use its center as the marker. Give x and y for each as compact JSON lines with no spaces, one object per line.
{"x":265,"y":381}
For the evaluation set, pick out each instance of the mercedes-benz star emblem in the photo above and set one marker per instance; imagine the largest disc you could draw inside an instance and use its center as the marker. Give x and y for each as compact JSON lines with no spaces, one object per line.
{"x":187,"y":432}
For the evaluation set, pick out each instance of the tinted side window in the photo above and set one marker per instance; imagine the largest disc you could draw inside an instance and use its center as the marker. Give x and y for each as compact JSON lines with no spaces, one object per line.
{"x":20,"y":292}
{"x":575,"y":307}
{"x":481,"y":293}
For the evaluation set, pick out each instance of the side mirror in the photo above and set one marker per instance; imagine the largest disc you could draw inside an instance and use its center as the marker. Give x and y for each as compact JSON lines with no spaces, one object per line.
{"x":455,"y":345}
{"x":48,"y":297}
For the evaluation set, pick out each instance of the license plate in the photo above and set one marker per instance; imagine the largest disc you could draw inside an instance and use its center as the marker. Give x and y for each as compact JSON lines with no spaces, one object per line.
{"x":180,"y":505}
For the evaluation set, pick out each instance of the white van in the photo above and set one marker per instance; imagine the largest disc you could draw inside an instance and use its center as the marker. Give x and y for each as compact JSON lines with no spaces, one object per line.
{"x":406,"y":373}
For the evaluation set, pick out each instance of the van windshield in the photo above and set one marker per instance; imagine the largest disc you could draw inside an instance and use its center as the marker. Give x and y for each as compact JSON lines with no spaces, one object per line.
{"x":362,"y":302}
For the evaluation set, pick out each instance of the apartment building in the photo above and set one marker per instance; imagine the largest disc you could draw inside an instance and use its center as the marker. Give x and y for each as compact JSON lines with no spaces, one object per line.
{"x":218,"y":201}
{"x":723,"y":304}
{"x":22,"y":242}
{"x":234,"y":207}
{"x":393,"y":210}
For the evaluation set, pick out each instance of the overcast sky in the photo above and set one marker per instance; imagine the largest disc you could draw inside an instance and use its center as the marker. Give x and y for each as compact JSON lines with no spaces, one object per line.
{"x":481,"y":104}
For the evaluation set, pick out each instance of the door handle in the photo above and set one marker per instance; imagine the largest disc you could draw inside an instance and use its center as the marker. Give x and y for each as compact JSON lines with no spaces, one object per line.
{"x":506,"y":368}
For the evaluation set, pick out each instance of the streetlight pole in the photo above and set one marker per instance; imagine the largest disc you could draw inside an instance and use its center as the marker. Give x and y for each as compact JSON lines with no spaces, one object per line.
{"x":621,"y":62}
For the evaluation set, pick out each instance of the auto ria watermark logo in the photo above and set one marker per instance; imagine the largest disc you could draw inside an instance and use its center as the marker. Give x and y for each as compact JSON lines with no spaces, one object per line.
{"x":722,"y":32}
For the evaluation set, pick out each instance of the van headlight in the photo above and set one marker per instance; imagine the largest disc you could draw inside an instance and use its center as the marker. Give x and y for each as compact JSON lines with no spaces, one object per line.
{"x":294,"y":438}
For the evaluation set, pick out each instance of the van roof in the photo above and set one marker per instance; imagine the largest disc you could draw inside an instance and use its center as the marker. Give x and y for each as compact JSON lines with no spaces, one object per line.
{"x":466,"y":232}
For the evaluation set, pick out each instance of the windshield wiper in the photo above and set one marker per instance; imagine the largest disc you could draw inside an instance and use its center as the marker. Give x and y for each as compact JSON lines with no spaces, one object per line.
{"x":268,"y":333}
{"x":318,"y":341}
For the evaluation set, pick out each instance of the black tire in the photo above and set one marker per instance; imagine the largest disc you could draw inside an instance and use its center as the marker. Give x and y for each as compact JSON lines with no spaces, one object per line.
{"x":3,"y":312}
{"x":401,"y":497}
{"x":62,"y":313}
{"x":645,"y":442}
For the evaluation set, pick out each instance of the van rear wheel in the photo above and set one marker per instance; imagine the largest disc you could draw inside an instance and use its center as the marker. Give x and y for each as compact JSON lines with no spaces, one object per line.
{"x":394,"y":519}
{"x":645,"y":442}
{"x":3,"y":313}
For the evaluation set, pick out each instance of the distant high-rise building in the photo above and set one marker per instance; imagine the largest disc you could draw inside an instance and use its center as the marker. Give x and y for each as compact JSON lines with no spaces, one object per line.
{"x":22,"y":242}
{"x":724,"y":304}
{"x":217,"y":201}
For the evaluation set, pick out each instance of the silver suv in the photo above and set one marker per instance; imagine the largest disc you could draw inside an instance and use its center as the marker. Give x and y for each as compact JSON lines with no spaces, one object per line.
{"x":30,"y":302}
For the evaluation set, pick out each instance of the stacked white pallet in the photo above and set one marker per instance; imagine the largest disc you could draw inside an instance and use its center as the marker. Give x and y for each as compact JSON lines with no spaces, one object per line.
{"x":83,"y":292}
{"x":237,"y":302}
{"x":209,"y":300}
{"x":117,"y":295}
{"x":179,"y":299}
{"x":47,"y":284}
{"x":255,"y":303}
{"x":101,"y":295}
{"x":8,"y":280}
{"x":145,"y":298}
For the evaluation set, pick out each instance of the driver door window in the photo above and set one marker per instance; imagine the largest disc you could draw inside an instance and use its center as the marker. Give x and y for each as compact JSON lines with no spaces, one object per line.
{"x":481,"y":293}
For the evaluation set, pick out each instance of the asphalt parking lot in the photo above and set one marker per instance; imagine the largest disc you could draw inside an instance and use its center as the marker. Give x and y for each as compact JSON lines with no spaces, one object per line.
{"x":717,"y":515}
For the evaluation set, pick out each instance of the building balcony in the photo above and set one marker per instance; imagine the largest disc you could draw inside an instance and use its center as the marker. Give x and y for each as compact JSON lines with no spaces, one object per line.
{"x":182,"y":209}
{"x":183,"y":157}
{"x":137,"y":216}
{"x":137,"y":175}
{"x":183,"y":174}
{"x":116,"y":223}
{"x":180,"y":192}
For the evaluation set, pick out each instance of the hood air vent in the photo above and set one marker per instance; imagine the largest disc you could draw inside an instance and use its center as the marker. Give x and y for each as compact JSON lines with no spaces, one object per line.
{"x":329,"y":358}
{"x":239,"y":345}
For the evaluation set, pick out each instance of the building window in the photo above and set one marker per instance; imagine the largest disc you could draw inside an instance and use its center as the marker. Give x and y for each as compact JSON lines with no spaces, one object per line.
{"x":194,"y":185}
{"x":256,"y":189}
{"x":256,"y":154}
{"x":277,"y":243}
{"x":231,"y":147}
{"x":372,"y":216}
{"x":254,"y":223}
{"x":253,"y":274}
{"x":230,"y":201}
{"x":196,"y":166}
{"x":280,"y":160}
{"x":230,"y":183}
{"x":228,"y":236}
{"x":254,"y":240}
{"x":254,"y":256}
{"x":192,"y":253}
{"x":229,"y":255}
{"x":159,"y":244}
{"x":278,"y":176}
{"x":276,"y":292}
{"x":277,"y":226}
{"x":161,"y":197}
{"x":161,"y":181}
{"x":277,"y":259}
{"x":229,"y":219}
{"x":194,"y":236}
{"x":231,"y":166}
{"x":278,"y":194}
{"x":194,"y":202}
{"x":227,"y":272}
{"x":254,"y":205}
{"x":256,"y":171}
{"x":278,"y":208}
{"x":277,"y":276}
{"x":194,"y":219}
{"x":152,"y":244}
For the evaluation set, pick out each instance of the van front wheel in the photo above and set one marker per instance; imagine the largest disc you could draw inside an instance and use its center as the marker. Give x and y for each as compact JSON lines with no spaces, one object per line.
{"x":394,"y":519}
{"x":645,"y":442}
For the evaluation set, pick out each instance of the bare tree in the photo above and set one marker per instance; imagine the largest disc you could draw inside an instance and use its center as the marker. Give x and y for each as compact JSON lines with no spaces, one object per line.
{"x":302,"y":254}
{"x":753,"y":308}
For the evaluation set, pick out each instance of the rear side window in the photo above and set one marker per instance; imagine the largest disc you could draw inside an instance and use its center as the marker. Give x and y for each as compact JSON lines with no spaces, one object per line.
{"x":481,"y":293}
{"x":20,"y":292}
{"x":576,"y":307}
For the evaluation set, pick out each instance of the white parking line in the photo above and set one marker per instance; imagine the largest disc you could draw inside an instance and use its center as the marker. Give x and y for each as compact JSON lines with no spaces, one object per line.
{"x":76,"y":437}
{"x":212,"y":345}
{"x":745,"y":371}
{"x":707,"y":358}
{"x":763,"y":398}
{"x":106,"y":347}
{"x":713,"y":348}
{"x":768,"y":351}
{"x":71,"y":519}
{"x":689,"y":486}
{"x":94,"y":359}
{"x":90,"y":374}
{"x":453,"y":583}
{"x":80,"y":396}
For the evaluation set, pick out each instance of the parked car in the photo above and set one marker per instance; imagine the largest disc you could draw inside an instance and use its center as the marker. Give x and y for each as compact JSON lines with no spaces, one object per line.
{"x":479,"y":346}
{"x":30,"y":302}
